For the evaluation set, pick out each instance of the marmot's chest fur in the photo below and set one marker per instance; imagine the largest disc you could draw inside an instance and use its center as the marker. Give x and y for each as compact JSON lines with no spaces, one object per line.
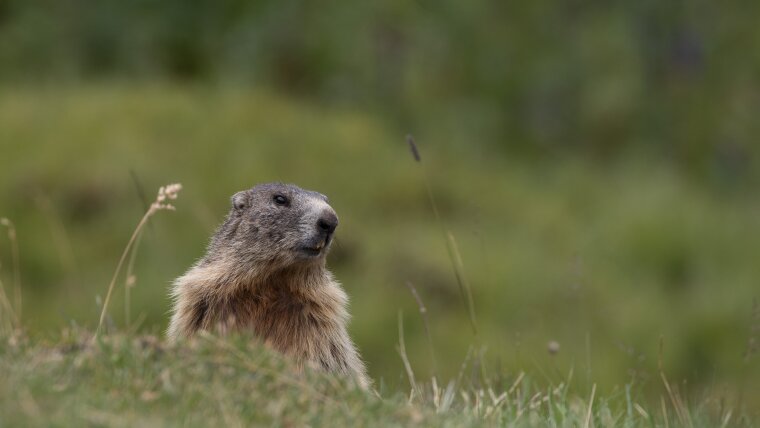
{"x":264,"y":272}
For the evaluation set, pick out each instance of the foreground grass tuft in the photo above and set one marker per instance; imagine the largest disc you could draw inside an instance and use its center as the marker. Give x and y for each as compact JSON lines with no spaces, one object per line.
{"x":124,"y":380}
{"x":142,"y":381}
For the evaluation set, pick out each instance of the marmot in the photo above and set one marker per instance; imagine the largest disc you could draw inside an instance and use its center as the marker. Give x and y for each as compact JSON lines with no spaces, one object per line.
{"x":264,"y":272}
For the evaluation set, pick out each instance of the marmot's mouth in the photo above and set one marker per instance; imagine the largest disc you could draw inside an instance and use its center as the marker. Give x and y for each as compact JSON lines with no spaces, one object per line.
{"x":311,"y":251}
{"x":314,"y":250}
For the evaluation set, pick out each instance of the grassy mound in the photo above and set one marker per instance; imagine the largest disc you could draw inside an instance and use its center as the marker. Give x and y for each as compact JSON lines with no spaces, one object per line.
{"x":129,"y":380}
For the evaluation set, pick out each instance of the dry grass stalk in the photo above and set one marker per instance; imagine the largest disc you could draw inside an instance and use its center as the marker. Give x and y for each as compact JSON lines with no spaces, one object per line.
{"x":16,"y":265}
{"x":682,"y":412}
{"x":590,"y":407}
{"x":423,"y":314}
{"x":451,"y":245}
{"x":753,"y":343}
{"x":464,"y":286}
{"x":129,"y":281}
{"x":664,"y":412}
{"x":726,"y":419}
{"x":8,"y":319}
{"x":407,"y":365}
{"x":165,"y":194}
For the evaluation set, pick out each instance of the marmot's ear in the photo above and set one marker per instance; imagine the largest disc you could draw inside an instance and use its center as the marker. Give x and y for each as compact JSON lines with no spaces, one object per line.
{"x":240,"y":200}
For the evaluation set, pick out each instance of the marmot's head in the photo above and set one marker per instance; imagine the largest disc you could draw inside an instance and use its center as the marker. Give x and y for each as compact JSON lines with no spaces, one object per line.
{"x":278,"y":225}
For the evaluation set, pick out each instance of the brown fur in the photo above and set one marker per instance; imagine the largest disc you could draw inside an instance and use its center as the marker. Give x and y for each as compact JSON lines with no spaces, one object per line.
{"x":293,"y":303}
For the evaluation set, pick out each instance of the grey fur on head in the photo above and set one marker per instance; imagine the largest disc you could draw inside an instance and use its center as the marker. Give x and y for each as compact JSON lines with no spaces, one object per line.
{"x":275,"y":225}
{"x":264,"y":272}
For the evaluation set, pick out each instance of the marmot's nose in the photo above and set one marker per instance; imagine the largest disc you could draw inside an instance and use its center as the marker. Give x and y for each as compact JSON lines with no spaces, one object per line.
{"x":327,"y":222}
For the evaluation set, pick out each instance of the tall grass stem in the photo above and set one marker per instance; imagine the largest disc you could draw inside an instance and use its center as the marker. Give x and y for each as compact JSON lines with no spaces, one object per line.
{"x":426,"y":323}
{"x":164,"y":193}
{"x":590,"y":407}
{"x":405,"y":359}
{"x":130,"y":282}
{"x":17,"y":301}
{"x":451,"y":245}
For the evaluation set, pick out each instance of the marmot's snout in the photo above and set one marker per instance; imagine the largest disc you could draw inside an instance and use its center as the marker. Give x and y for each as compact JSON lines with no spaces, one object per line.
{"x":319,"y":242}
{"x":327,"y":223}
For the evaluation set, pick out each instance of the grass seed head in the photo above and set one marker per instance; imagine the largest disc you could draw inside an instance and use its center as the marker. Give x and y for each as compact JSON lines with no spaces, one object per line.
{"x":413,"y":148}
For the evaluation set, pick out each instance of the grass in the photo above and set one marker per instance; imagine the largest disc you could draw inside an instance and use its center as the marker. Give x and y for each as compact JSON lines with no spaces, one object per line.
{"x":165,"y":194}
{"x":139,"y":380}
{"x":591,"y":281}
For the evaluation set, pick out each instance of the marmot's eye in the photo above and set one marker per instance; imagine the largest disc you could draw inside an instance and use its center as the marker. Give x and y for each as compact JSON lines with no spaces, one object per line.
{"x":280,"y":200}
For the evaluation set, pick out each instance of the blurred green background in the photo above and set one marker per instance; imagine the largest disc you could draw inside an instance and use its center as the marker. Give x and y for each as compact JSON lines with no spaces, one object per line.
{"x":596,"y":162}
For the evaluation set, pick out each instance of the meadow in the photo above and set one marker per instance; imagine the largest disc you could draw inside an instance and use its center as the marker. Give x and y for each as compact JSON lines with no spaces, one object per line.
{"x":588,"y":278}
